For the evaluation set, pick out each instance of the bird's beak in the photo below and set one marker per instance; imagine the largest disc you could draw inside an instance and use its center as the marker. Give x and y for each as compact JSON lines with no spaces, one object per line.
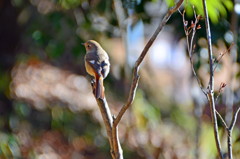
{"x":83,"y":44}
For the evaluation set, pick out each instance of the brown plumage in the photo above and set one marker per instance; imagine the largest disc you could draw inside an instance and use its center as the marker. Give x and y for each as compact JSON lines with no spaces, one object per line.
{"x":97,"y":65}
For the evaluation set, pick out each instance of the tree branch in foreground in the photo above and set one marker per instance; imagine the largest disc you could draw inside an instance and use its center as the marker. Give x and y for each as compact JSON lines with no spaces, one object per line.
{"x":135,"y":77}
{"x":211,"y":81}
{"x":190,"y":33}
{"x":230,"y":129}
{"x":110,"y":122}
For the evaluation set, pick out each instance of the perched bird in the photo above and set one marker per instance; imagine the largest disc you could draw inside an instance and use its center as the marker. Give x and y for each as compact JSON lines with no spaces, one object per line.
{"x":97,"y":65}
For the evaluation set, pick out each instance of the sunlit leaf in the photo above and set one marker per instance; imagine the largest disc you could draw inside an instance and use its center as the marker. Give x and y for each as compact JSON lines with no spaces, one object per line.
{"x":170,"y":2}
{"x":216,"y":8}
{"x":228,"y":4}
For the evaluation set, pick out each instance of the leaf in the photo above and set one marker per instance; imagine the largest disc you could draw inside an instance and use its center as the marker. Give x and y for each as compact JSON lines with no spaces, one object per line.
{"x":216,"y":8}
{"x":228,"y":4}
{"x":170,"y":3}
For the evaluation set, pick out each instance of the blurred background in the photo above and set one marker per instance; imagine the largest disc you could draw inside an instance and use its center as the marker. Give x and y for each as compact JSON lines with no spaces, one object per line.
{"x":47,"y":109}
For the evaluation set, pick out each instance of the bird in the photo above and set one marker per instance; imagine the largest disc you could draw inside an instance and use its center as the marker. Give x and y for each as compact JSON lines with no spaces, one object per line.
{"x":97,"y":65}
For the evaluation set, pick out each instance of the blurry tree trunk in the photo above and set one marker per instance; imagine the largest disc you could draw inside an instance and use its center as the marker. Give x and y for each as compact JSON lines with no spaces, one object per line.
{"x":122,"y":23}
{"x":9,"y":38}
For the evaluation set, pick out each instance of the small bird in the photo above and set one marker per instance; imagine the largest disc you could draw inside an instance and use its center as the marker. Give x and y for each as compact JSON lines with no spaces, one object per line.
{"x":97,"y":65}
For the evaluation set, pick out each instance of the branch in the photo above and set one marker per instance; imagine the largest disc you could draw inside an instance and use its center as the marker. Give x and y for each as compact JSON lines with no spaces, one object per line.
{"x":116,"y":143}
{"x":222,"y":86}
{"x":136,"y":76}
{"x":192,"y":29}
{"x":110,"y":122}
{"x":234,"y":119}
{"x":222,"y":120}
{"x":107,"y":119}
{"x":211,"y":82}
{"x":230,"y":128}
{"x":219,"y":58}
{"x":229,"y":143}
{"x":229,"y":138}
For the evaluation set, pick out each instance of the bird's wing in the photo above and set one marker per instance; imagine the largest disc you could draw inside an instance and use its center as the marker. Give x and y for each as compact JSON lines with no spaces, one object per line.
{"x":93,"y":62}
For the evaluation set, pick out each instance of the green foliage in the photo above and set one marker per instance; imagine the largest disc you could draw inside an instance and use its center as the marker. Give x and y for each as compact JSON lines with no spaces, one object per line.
{"x":9,"y":147}
{"x":183,"y":118}
{"x":216,"y":8}
{"x":67,"y":4}
{"x":207,"y":137}
{"x":22,"y":109}
{"x":146,"y":114}
{"x":170,"y":3}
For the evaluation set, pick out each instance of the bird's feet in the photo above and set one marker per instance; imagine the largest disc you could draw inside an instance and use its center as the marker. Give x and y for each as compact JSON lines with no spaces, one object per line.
{"x":93,"y":85}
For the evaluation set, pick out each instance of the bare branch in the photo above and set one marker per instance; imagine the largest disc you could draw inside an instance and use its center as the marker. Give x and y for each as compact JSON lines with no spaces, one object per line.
{"x":215,"y":124}
{"x":211,"y":82}
{"x":107,"y":119}
{"x":135,"y":77}
{"x":222,"y":86}
{"x":110,"y":122}
{"x":219,"y":58}
{"x":230,"y":129}
{"x":222,"y":120}
{"x":234,"y":119}
{"x":229,"y":143}
{"x":116,"y":143}
{"x":190,"y":47}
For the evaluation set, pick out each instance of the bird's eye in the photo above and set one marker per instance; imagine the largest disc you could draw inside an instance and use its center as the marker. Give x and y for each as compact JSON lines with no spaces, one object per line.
{"x":88,"y":46}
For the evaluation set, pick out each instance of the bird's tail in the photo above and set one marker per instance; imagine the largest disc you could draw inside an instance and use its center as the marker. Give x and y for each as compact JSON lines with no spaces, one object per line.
{"x":99,"y":90}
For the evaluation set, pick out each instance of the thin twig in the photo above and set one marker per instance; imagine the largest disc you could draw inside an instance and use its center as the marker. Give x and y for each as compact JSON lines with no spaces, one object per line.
{"x":135,"y":77}
{"x":222,"y":86}
{"x":229,"y":139}
{"x":229,"y":102}
{"x":219,"y":58}
{"x":234,"y":119}
{"x":211,"y":81}
{"x":188,"y":30}
{"x":222,"y":120}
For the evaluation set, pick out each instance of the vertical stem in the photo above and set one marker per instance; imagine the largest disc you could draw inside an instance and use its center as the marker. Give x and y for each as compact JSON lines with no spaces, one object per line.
{"x":118,"y":152}
{"x":111,"y":123}
{"x":209,"y":40}
{"x":215,"y":124}
{"x":211,"y":82}
{"x":229,"y":143}
{"x":230,"y":129}
{"x":107,"y":119}
{"x":229,"y":95}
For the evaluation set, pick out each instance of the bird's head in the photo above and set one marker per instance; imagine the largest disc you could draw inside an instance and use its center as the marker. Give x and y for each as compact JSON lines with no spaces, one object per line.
{"x":91,"y":45}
